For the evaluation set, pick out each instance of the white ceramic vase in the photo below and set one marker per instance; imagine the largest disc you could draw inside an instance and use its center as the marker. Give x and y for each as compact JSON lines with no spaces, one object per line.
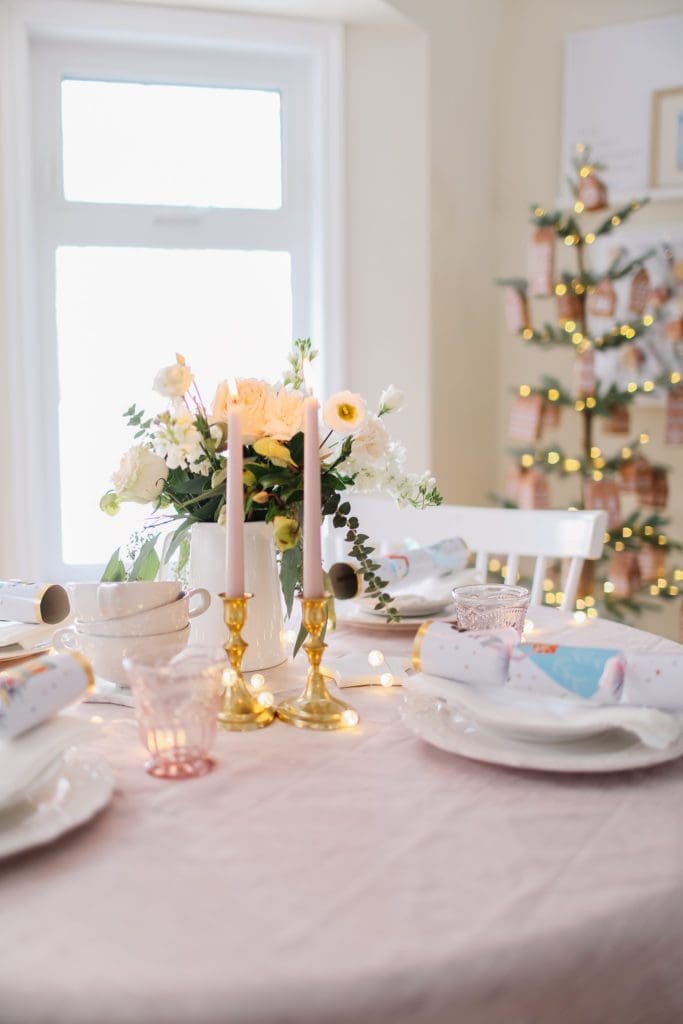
{"x":264,"y":629}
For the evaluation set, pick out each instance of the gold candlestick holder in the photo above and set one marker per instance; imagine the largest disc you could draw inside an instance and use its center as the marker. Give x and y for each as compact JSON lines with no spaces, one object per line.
{"x":315,"y":707}
{"x":242,"y":710}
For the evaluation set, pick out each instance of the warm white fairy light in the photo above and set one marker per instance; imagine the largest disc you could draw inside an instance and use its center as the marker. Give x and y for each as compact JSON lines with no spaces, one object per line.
{"x":350,"y":717}
{"x":375,"y":659}
{"x":528,"y":626}
{"x":257,"y":681}
{"x":289,"y":636}
{"x":579,"y":616}
{"x":386,"y":679}
{"x":266,"y":699}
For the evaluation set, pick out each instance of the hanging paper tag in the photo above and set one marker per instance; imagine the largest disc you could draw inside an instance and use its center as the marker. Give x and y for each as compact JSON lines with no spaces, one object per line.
{"x":525,"y":418}
{"x":618,"y":421}
{"x":603,"y":495}
{"x":673,"y":427}
{"x":542,"y":261}
{"x":602,"y":300}
{"x":640,"y":289}
{"x":593,"y":193}
{"x":624,"y":573}
{"x":584,"y":373}
{"x":534,"y":490}
{"x":516,"y":307}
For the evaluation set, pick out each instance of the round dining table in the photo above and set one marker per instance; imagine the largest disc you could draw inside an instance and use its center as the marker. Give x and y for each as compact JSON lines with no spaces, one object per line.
{"x":355,"y":877}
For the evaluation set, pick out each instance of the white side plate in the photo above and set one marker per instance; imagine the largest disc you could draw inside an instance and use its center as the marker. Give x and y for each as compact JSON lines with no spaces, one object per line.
{"x":71,"y":795}
{"x":433,"y":721}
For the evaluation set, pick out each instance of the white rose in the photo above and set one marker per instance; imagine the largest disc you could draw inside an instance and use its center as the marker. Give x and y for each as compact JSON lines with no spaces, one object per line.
{"x":173,"y":381}
{"x":391,"y":400}
{"x":284,"y":414}
{"x":140,"y":476}
{"x":344,"y":412}
{"x":370,"y":444}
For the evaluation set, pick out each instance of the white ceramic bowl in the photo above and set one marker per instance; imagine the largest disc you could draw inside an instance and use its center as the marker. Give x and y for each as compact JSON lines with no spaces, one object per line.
{"x":106,"y":654}
{"x":169,"y":618}
{"x":95,"y":602}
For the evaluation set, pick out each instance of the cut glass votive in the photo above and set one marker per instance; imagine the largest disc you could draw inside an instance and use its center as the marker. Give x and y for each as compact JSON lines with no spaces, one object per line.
{"x":490,"y":606}
{"x":177,"y":700}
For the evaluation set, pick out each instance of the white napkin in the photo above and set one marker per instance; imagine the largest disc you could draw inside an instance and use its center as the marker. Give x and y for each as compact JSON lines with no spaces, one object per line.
{"x":26,"y":758}
{"x":548,"y":718}
{"x":18,"y":637}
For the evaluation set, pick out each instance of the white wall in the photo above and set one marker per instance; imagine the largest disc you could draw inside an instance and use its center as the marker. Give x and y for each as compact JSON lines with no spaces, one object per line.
{"x":388,"y":254}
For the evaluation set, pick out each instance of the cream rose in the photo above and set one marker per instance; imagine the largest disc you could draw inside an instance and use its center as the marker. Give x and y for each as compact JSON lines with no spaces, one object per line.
{"x":251,"y":395}
{"x":344,"y":412}
{"x":284,"y":414}
{"x":141,"y":475}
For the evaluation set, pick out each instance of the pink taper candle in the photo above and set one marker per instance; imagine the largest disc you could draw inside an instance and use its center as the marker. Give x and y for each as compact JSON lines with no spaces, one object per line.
{"x":313,"y":574}
{"x":234,"y":584}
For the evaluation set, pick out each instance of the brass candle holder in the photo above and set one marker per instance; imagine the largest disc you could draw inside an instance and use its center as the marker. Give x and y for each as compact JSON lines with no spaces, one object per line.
{"x":242,"y":710}
{"x":315,"y":707}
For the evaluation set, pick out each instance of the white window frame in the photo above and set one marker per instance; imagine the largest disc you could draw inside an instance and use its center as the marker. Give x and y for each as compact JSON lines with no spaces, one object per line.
{"x":149,"y":44}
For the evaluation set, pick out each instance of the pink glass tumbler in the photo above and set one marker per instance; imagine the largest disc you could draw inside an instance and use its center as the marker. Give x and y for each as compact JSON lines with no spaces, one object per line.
{"x":177,"y":700}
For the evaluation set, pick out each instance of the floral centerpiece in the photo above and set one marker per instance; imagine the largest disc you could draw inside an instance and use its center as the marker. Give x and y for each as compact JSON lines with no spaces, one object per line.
{"x":178,"y":465}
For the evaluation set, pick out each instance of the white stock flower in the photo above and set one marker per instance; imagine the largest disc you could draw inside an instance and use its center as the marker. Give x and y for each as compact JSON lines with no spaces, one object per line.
{"x":178,"y":440}
{"x":284,"y":414}
{"x":140,"y":476}
{"x":344,"y":412}
{"x":370,"y":444}
{"x":391,"y":400}
{"x":173,"y":381}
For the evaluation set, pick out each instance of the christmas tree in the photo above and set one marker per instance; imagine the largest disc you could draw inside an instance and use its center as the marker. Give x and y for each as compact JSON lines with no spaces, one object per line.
{"x":588,"y":320}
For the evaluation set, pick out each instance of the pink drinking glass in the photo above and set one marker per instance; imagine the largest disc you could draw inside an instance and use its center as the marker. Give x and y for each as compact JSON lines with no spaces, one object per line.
{"x":490,"y":606}
{"x":177,"y":700}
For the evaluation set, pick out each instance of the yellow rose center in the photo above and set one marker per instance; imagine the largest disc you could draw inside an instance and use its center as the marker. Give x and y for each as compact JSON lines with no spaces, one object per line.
{"x":346,"y":412}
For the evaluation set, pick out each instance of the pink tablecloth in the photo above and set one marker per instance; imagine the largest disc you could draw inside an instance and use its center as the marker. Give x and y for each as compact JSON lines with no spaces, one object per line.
{"x":358,"y":877}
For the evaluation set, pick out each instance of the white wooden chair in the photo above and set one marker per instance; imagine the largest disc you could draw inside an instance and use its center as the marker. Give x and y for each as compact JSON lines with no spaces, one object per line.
{"x":515,"y":533}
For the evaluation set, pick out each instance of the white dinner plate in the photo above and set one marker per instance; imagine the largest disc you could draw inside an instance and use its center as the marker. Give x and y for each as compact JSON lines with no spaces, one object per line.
{"x":433,"y":721}
{"x":353,"y":614}
{"x":80,"y":786}
{"x":534,"y":717}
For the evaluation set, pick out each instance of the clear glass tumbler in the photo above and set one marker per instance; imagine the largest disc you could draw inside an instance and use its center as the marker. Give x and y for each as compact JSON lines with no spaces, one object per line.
{"x":177,"y":700}
{"x":490,"y":606}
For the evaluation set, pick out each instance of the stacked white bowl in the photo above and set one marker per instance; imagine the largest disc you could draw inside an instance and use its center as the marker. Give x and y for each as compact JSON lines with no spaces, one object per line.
{"x":115,"y":620}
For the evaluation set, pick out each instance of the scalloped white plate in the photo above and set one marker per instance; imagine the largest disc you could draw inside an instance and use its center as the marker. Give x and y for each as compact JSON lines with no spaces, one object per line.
{"x":80,"y":786}
{"x":433,"y":721}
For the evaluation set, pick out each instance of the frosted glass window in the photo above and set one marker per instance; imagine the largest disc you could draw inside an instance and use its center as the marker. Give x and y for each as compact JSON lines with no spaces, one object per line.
{"x":172,"y":145}
{"x":121,"y":314}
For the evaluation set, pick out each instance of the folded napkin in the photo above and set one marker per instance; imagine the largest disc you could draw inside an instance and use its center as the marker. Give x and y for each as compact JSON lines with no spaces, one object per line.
{"x":646,"y":678}
{"x":539,"y":717}
{"x":17,"y":638}
{"x":24,"y":761}
{"x":32,"y":692}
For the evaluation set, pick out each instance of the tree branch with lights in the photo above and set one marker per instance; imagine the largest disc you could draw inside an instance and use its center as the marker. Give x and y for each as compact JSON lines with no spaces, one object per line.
{"x":635,"y":567}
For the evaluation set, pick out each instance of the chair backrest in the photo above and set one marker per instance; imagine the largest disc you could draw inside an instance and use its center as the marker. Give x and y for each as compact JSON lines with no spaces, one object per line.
{"x":514,"y":533}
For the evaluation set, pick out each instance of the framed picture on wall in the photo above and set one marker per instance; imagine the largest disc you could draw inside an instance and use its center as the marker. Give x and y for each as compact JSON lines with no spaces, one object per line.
{"x":666,"y":150}
{"x":623,"y":96}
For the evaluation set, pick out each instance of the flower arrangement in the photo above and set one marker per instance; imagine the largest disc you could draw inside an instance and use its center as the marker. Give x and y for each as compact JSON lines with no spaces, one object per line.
{"x":178,"y":465}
